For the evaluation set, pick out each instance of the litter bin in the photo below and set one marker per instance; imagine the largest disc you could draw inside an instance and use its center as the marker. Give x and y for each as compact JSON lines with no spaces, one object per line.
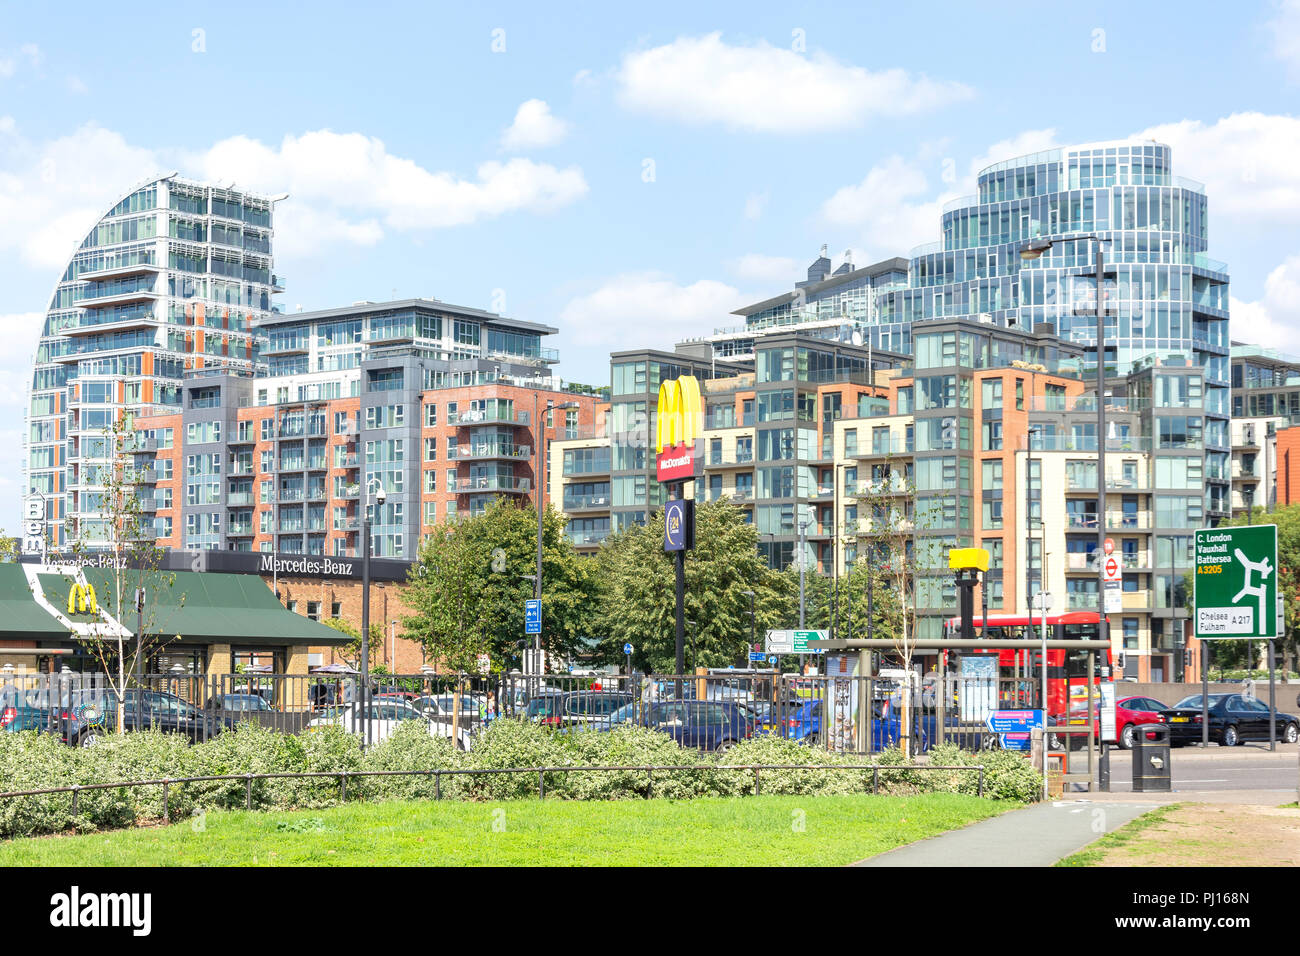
{"x":1151,"y":771}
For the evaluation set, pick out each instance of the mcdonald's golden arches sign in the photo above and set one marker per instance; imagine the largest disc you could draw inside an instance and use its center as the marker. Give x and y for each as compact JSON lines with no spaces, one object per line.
{"x":680,"y":422}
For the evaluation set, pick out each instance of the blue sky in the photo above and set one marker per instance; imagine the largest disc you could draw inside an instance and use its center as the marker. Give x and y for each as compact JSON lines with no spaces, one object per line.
{"x":664,"y":163}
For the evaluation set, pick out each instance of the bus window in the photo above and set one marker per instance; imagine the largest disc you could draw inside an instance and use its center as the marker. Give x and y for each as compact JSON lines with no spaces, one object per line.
{"x":1076,"y":664}
{"x":1079,"y":632}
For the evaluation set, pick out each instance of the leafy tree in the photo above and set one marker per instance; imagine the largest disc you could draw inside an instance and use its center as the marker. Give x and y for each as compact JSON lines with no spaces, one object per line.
{"x":472,"y":577}
{"x":136,"y":567}
{"x":637,"y":596}
{"x":889,"y":540}
{"x":849,"y":605}
{"x":351,"y":651}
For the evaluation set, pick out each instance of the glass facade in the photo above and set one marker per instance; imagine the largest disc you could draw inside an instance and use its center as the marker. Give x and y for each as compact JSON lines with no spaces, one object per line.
{"x":174,"y":277}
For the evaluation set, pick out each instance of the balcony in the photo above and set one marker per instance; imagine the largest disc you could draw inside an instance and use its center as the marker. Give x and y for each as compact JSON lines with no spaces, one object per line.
{"x":488,"y":451}
{"x":349,"y":461}
{"x":239,"y":468}
{"x":240,"y":498}
{"x":243,"y":530}
{"x":586,"y":502}
{"x":587,"y":539}
{"x":485,"y":417}
{"x":491,"y":483}
{"x":720,"y":464}
{"x":351,"y":491}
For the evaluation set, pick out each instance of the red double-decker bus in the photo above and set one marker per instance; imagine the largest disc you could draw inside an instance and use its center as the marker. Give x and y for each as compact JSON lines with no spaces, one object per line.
{"x":1065,"y":669}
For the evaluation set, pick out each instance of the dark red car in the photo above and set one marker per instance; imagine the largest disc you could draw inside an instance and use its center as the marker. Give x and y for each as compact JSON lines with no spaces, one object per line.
{"x":1130,"y":713}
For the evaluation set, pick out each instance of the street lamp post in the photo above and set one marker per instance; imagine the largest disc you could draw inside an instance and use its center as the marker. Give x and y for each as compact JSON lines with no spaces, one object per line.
{"x":539,"y":435}
{"x":365,"y":604}
{"x":1030,"y":251}
{"x":803,"y":530}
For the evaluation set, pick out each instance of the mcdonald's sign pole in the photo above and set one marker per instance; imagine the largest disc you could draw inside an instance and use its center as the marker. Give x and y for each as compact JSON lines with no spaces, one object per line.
{"x":679,"y":424}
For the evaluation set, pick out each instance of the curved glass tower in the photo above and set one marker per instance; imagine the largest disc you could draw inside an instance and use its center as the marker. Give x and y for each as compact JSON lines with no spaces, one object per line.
{"x":173,"y":278}
{"x":1167,"y":294}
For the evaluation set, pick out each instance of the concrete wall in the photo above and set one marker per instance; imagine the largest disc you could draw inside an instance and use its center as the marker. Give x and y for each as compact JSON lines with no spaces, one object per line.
{"x":1172,"y":693}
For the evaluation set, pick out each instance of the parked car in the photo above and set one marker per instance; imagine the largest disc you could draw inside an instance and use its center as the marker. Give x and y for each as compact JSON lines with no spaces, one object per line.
{"x":94,"y":713}
{"x":238,"y":703}
{"x":703,"y":724}
{"x":1234,"y":719}
{"x":385,"y":715}
{"x":1130,"y":713}
{"x":584,"y":708}
{"x":542,"y":705}
{"x":21,"y":710}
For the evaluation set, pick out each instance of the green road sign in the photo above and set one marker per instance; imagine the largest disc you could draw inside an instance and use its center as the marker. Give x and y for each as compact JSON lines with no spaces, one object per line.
{"x":801,"y":639}
{"x":1235,"y":584}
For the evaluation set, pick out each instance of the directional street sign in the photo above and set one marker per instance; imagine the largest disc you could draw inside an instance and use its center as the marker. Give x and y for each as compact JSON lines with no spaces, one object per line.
{"x":627,"y":648}
{"x":793,"y":642}
{"x":1014,"y":727}
{"x":532,"y":616}
{"x":801,"y":639}
{"x":755,"y":657}
{"x":1014,"y":721}
{"x":1235,"y":583}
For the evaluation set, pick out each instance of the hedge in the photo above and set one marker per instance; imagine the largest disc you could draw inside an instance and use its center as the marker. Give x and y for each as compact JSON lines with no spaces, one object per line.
{"x":32,"y":761}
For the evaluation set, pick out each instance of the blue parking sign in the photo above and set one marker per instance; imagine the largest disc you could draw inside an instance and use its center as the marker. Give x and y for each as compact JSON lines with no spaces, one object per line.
{"x":533,"y":616}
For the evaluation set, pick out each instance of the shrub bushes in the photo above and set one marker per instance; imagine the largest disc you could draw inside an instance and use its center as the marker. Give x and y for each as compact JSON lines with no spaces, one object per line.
{"x":411,"y":747}
{"x":33,"y":761}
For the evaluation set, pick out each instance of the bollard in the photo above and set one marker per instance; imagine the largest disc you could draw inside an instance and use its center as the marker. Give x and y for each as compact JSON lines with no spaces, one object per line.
{"x":76,"y":794}
{"x":649,"y":784}
{"x":981,"y":784}
{"x":248,"y":790}
{"x":437,"y":785}
{"x":166,"y":813}
{"x":541,"y":785}
{"x":343,"y":788}
{"x":875,"y":780}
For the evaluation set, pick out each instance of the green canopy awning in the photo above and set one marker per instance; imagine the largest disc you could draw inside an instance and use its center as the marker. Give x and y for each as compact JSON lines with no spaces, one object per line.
{"x":203,"y":607}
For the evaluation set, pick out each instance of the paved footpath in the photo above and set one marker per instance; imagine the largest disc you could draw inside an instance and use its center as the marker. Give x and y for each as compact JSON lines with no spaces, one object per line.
{"x":1035,"y":836}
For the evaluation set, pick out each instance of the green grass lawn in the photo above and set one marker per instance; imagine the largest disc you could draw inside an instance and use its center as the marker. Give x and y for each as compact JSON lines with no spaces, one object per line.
{"x":1095,"y":852}
{"x":740,"y":831}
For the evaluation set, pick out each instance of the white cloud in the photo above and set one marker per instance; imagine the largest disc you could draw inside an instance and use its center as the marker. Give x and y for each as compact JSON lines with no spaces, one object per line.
{"x":51,"y":193}
{"x":1247,"y":162}
{"x":755,"y":203}
{"x":768,"y":89}
{"x":345,"y":187}
{"x":895,"y":201}
{"x":627,"y":307}
{"x":766,"y":268}
{"x":534,"y":127}
{"x":76,"y":85}
{"x":1285,"y":32}
{"x":21,"y":330}
{"x":890,"y":203}
{"x":1274,"y":319}
{"x":29,"y":52}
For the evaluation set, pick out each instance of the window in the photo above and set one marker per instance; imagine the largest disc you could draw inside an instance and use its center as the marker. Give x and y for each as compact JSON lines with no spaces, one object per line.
{"x":431,"y":449}
{"x":430,"y":416}
{"x":992,"y":436}
{"x":313,"y":610}
{"x":991,"y":479}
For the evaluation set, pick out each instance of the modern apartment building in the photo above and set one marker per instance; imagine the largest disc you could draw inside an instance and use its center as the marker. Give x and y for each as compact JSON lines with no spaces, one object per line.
{"x":1265,"y":402}
{"x":175,"y":276}
{"x":442,"y":406}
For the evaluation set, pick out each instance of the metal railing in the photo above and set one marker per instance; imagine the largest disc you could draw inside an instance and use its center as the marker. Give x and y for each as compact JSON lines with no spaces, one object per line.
{"x":344,"y":775}
{"x":846,"y":714}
